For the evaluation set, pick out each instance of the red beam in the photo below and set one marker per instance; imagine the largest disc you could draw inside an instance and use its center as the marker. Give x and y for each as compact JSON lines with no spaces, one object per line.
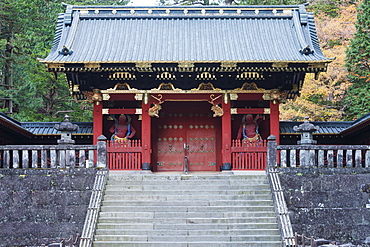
{"x":122,"y":96}
{"x":250,"y":96}
{"x":121,"y":111}
{"x":250,"y":111}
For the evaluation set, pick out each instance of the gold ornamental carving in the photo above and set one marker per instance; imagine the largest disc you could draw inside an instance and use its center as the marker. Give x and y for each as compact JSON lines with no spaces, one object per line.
{"x":316,"y":65}
{"x":275,"y":95}
{"x":233,"y":96}
{"x":106,"y":96}
{"x":122,"y":76}
{"x":143,"y":65}
{"x":166,"y":86}
{"x":122,"y":86}
{"x":55,"y":65}
{"x":105,"y":111}
{"x":166,"y":76}
{"x":138,"y":96}
{"x":186,"y":65}
{"x":206,"y":76}
{"x":250,"y":76}
{"x":249,"y":86}
{"x":154,"y":110}
{"x":76,"y":88}
{"x":94,"y":96}
{"x":229,"y":65}
{"x":217,"y":110}
{"x":206,"y":86}
{"x":92,"y":65}
{"x":280,"y":65}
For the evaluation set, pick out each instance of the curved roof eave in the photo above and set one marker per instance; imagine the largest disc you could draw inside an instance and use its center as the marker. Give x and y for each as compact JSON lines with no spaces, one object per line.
{"x":70,"y":34}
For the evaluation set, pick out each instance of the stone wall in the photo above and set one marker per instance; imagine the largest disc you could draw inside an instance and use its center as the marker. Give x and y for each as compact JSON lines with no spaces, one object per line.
{"x":328,"y":203}
{"x":42,"y":205}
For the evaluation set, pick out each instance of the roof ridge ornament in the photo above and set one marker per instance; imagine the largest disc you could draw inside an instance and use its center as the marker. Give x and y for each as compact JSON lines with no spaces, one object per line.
{"x":307,"y":50}
{"x":65,"y":51}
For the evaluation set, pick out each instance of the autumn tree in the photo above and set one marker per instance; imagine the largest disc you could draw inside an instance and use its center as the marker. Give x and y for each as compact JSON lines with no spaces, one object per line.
{"x":323,"y":99}
{"x":358,"y":65}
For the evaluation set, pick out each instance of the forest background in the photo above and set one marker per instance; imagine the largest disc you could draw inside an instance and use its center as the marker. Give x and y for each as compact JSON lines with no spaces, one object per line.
{"x":29,"y":93}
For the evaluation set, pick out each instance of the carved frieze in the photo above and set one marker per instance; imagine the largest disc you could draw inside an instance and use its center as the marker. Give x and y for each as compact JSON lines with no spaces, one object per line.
{"x":206,"y":76}
{"x":92,"y":65}
{"x":122,"y":76}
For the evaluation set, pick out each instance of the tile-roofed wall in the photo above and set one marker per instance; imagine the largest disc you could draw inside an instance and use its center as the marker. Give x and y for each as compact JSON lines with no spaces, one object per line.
{"x":47,"y":128}
{"x":325,"y":127}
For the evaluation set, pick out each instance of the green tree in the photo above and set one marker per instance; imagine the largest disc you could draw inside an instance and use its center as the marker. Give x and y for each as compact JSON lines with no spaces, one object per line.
{"x":26,"y":33}
{"x":358,"y":65}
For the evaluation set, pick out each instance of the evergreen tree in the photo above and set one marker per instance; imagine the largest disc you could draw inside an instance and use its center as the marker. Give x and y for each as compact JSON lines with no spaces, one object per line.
{"x":358,"y":65}
{"x":26,"y":33}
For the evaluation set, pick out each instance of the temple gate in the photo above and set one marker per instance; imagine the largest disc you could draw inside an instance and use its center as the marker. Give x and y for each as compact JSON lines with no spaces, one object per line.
{"x":186,"y":87}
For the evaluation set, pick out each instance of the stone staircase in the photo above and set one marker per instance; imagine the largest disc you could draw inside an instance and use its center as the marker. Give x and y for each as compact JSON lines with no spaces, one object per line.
{"x":179,"y":210}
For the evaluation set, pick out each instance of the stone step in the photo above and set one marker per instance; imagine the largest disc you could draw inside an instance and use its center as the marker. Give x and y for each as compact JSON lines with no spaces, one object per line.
{"x":185,"y":197}
{"x":246,"y":191}
{"x":183,"y":238}
{"x":189,"y":227}
{"x":187,"y":244}
{"x":186,"y":208}
{"x":190,"y":182}
{"x":180,"y":215}
{"x":246,"y":203}
{"x":199,"y":220}
{"x":116,"y":175}
{"x":180,"y":187}
{"x":176,"y":232}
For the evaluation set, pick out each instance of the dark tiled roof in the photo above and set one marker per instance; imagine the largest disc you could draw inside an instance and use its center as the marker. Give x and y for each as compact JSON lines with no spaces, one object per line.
{"x":124,"y":34}
{"x":362,"y":122}
{"x":334,"y":128}
{"x":47,"y":128}
{"x":13,"y":124}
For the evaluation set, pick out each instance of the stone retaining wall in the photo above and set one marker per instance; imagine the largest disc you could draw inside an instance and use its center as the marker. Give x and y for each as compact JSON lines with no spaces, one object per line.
{"x":42,"y":205}
{"x":328,"y":203}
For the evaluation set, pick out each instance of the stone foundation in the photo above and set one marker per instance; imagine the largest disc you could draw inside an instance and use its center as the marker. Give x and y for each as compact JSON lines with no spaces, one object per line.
{"x":328,"y":203}
{"x":42,"y":205}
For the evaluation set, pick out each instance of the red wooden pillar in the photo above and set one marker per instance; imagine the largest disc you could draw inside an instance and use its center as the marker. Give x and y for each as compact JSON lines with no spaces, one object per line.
{"x":274,"y":120}
{"x":226,"y":135}
{"x":98,"y":121}
{"x":146,"y":136}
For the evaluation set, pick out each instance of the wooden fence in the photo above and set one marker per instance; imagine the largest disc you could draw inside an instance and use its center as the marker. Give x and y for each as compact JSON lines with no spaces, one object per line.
{"x":248,"y":156}
{"x":124,"y":155}
{"x":53,"y":156}
{"x":329,"y":156}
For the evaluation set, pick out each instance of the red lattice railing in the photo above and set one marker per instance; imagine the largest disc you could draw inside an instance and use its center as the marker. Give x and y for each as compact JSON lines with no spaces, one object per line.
{"x":124,"y":155}
{"x":248,"y":156}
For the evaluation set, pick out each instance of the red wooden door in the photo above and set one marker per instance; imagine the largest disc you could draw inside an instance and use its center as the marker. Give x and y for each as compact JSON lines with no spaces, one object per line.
{"x":190,"y":129}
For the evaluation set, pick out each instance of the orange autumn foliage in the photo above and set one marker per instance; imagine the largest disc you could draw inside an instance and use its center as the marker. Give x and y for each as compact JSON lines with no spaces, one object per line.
{"x":321,"y":99}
